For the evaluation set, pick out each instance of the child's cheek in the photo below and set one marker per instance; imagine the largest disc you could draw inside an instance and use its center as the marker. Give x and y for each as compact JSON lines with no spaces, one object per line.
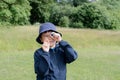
{"x":42,"y":39}
{"x":45,"y":39}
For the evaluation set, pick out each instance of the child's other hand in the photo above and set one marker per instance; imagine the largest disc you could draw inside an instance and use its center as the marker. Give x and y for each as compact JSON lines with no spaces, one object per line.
{"x":46,"y":45}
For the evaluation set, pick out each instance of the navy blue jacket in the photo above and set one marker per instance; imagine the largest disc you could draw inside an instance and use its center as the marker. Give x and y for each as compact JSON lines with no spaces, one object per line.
{"x":52,"y":65}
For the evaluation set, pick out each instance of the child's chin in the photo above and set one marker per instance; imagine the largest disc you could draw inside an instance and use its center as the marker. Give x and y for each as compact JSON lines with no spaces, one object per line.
{"x":52,"y":43}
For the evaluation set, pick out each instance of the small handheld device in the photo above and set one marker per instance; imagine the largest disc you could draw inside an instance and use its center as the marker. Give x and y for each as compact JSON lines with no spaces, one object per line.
{"x":52,"y":34}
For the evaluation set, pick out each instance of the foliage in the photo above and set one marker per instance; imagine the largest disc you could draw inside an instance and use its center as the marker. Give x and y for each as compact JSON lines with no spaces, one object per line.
{"x":40,"y":10}
{"x":64,"y":21}
{"x":14,"y":12}
{"x":112,"y":7}
{"x":76,"y":24}
{"x":78,"y":2}
{"x":99,"y":14}
{"x":87,"y":15}
{"x":94,"y":16}
{"x":59,"y":11}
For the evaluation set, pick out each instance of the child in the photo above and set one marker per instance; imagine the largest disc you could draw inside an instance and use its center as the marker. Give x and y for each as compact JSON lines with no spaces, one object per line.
{"x":50,"y":60}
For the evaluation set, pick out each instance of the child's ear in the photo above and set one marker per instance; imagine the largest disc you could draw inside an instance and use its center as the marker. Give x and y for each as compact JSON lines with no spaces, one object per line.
{"x":41,"y":39}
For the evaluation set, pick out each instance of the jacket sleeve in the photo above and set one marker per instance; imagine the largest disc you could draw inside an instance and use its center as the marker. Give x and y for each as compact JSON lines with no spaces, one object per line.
{"x":70,"y":53}
{"x":41,"y":63}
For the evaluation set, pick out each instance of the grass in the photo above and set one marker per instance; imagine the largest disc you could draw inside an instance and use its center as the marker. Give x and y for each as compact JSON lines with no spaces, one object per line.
{"x":98,"y":50}
{"x":99,"y":64}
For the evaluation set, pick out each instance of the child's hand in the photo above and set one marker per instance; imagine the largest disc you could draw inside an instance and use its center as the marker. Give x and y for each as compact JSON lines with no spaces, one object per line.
{"x":46,"y":45}
{"x":56,"y":36}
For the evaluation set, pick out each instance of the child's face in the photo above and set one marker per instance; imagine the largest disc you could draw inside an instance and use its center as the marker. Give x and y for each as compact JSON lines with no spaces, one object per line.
{"x":46,"y":36}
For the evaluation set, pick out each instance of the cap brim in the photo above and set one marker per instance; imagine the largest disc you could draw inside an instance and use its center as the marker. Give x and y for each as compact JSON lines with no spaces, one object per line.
{"x":38,"y":40}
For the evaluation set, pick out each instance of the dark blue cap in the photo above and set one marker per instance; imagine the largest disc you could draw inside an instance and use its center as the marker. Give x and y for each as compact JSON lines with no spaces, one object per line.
{"x":46,"y":27}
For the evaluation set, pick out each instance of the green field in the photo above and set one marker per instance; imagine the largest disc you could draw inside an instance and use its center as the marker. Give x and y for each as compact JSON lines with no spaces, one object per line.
{"x":98,"y":53}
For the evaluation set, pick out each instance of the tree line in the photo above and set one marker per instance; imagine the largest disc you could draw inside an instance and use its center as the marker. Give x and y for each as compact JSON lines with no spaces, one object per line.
{"x":94,"y":14}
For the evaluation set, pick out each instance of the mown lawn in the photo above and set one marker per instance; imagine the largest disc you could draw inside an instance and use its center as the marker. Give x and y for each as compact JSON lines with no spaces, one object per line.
{"x":98,"y":50}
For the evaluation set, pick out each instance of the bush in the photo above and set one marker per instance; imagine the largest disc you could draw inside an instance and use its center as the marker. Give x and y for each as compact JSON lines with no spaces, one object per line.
{"x":109,"y":21}
{"x":64,"y":21}
{"x":79,"y":2}
{"x":5,"y":15}
{"x":14,"y":12}
{"x":93,"y":16}
{"x":76,"y":25}
{"x":40,"y":10}
{"x":59,"y":11}
{"x":20,"y":15}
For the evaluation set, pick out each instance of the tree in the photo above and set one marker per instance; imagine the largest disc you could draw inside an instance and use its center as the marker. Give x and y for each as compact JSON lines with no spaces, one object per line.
{"x":94,"y":16}
{"x":79,"y":2}
{"x":14,"y":12}
{"x":40,"y":10}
